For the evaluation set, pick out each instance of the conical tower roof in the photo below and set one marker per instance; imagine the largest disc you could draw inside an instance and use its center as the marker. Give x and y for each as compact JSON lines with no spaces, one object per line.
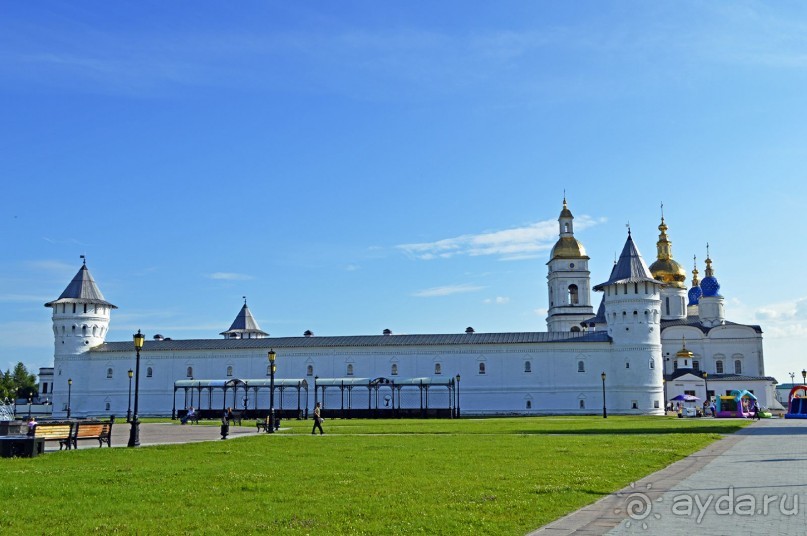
{"x":82,"y":289}
{"x":630,"y":268}
{"x":244,"y":325}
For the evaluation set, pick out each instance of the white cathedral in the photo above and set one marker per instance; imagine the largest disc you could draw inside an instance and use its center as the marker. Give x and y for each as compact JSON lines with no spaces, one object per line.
{"x":650,"y":340}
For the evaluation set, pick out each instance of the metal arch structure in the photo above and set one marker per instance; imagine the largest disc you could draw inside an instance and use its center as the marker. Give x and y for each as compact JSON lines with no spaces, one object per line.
{"x":382,"y":397}
{"x":205,"y":395}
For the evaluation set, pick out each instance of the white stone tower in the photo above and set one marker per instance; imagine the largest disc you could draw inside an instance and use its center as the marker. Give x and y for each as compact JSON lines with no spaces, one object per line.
{"x":568,"y":279}
{"x":80,"y":315}
{"x":673,"y":275}
{"x":632,"y":312}
{"x":80,"y":322}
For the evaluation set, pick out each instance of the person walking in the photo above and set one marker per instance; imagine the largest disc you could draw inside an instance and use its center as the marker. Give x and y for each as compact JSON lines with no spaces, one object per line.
{"x":317,"y":420}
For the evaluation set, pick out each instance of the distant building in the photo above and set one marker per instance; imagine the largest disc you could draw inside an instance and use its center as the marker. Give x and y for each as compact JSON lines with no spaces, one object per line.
{"x":630,"y":348}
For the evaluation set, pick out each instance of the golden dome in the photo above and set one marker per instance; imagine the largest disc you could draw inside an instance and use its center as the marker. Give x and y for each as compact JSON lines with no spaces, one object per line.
{"x":567,"y":247}
{"x":669,"y":272}
{"x":683,"y":352}
{"x":665,"y":269}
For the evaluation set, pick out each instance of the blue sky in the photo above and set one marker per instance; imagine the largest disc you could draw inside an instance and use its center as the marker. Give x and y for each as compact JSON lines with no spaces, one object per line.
{"x":356,"y":166}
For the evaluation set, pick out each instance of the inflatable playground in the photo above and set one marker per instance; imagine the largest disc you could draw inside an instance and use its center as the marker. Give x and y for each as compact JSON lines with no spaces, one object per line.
{"x":738,"y":404}
{"x":797,"y":405}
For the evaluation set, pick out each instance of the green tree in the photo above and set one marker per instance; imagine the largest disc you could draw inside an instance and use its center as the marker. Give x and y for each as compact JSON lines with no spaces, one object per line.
{"x":23,"y":382}
{"x":7,"y":389}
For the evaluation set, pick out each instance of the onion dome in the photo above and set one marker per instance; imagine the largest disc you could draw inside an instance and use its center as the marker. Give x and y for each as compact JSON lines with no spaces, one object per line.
{"x":709,"y":285}
{"x":567,"y":246}
{"x":695,"y":292}
{"x":665,"y":269}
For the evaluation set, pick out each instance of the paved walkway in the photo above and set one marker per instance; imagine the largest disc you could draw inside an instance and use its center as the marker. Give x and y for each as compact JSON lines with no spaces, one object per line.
{"x":749,"y":483}
{"x":163,"y":433}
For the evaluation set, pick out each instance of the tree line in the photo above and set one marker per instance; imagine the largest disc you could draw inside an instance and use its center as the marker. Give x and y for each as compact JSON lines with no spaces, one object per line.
{"x":18,"y":383}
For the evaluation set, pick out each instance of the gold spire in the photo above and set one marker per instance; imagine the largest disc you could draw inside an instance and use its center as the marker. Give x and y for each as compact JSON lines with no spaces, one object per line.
{"x":666,"y":269}
{"x":695,"y":281}
{"x":709,"y":272}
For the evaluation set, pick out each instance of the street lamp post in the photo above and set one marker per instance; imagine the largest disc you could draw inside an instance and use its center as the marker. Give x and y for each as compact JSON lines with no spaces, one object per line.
{"x":792,"y":377}
{"x":134,"y":431}
{"x":604,"y":411}
{"x":706,"y":383}
{"x":272,"y":356}
{"x":30,"y":400}
{"x":458,"y":395}
{"x":69,"y":390}
{"x":129,"y":409}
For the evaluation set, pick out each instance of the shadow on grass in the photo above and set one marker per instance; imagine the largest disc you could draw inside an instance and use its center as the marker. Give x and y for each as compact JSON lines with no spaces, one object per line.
{"x":636,"y":431}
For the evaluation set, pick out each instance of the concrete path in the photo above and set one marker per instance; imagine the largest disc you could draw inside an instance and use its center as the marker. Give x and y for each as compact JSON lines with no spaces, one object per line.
{"x":749,"y":483}
{"x":163,"y":433}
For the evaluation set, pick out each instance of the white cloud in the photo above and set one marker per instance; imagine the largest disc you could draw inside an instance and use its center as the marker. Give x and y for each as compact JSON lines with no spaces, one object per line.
{"x":352,"y":267}
{"x":446,"y":290}
{"x":509,"y":244}
{"x":230,"y":276}
{"x":498,"y":300}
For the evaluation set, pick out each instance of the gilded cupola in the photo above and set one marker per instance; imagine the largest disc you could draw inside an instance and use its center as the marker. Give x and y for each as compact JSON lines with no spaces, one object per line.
{"x":567,"y":246}
{"x":666,"y":269}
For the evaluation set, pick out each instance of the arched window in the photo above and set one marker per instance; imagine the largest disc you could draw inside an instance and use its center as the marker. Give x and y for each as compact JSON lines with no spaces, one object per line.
{"x":719,"y":366}
{"x":738,"y":366}
{"x":74,"y":307}
{"x":529,"y":404}
{"x":149,"y":372}
{"x":350,"y":369}
{"x":309,"y":370}
{"x":268,"y":370}
{"x":696,"y":365}
{"x":575,"y":329}
{"x":109,"y":373}
{"x":84,"y":330}
{"x":652,"y":363}
{"x":189,"y":372}
{"x":627,"y":364}
{"x":94,"y":331}
{"x":582,"y":404}
{"x":636,"y":288}
{"x":527,"y":366}
{"x":481,"y":368}
{"x":394,"y":369}
{"x":230,"y":370}
{"x":107,"y":404}
{"x":574,"y":298}
{"x":85,"y":307}
{"x":667,"y":304}
{"x":73,"y":330}
{"x":438,"y":369}
{"x":581,"y":366}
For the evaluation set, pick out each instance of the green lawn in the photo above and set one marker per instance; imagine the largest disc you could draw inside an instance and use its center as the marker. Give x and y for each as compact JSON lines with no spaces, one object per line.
{"x":493,"y":476}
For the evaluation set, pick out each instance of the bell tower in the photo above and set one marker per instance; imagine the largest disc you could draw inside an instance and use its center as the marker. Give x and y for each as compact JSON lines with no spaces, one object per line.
{"x":568,"y":279}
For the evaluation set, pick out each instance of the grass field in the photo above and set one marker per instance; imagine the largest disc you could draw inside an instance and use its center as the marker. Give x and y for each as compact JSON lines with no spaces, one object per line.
{"x":486,"y":476}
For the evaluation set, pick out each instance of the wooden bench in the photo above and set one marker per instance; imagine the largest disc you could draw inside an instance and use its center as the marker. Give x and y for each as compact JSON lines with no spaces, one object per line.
{"x":55,"y":431}
{"x":102,"y":431}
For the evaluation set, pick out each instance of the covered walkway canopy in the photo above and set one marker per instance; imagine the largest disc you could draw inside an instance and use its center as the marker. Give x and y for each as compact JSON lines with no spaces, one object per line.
{"x":210,"y":397}
{"x":434,"y":396}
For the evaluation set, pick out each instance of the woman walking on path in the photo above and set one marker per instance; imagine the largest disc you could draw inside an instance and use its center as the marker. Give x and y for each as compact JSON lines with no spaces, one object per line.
{"x":317,"y":420}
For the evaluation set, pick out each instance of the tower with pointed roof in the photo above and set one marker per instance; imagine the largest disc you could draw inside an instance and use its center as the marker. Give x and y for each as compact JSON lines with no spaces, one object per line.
{"x":80,"y":315}
{"x":568,"y":279}
{"x":711,"y":306}
{"x":244,"y":326}
{"x":632,"y":312}
{"x":673,"y":275}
